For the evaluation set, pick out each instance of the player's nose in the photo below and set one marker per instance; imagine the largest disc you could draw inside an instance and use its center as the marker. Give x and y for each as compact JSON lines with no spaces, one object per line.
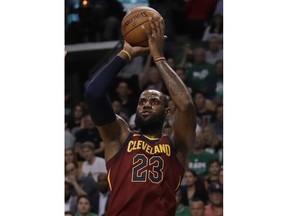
{"x":147,"y":104}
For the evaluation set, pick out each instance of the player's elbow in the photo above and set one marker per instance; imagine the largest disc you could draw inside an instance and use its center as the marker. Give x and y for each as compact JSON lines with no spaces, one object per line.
{"x":92,"y":93}
{"x":186,"y":105}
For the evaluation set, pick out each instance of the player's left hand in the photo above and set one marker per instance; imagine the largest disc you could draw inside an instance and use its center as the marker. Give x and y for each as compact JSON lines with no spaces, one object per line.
{"x":136,"y":50}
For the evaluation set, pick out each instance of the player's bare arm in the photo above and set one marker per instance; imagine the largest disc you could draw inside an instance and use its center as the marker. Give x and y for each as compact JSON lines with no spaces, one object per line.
{"x":185,"y":116}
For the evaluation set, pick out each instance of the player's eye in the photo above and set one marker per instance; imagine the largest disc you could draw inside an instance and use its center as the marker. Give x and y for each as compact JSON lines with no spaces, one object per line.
{"x":141,"y":102}
{"x":155,"y":102}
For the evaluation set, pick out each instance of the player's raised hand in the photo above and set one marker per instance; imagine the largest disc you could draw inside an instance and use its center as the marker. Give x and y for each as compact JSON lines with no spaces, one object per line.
{"x":156,"y":36}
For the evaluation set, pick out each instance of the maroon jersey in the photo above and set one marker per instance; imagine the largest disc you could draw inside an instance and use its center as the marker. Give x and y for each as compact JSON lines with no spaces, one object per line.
{"x":144,"y":177}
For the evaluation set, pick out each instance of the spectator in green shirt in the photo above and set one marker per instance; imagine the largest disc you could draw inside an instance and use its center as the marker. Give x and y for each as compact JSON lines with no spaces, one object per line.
{"x":201,"y":76}
{"x":182,"y":210}
{"x":84,"y":206}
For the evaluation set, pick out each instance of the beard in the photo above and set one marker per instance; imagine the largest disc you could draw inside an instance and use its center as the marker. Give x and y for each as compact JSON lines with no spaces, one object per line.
{"x":151,"y":124}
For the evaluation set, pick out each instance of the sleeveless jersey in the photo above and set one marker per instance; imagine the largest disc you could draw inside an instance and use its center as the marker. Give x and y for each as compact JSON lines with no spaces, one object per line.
{"x":144,"y":177}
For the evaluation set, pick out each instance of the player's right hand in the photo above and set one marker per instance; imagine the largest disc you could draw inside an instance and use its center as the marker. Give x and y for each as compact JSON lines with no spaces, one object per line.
{"x":136,"y":50}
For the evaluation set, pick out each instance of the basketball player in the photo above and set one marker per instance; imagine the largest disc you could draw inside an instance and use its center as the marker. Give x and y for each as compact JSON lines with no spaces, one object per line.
{"x":145,"y":168}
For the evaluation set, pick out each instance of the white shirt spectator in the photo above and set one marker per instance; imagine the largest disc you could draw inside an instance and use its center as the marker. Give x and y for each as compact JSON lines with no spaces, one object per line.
{"x":94,"y":169}
{"x":103,"y":198}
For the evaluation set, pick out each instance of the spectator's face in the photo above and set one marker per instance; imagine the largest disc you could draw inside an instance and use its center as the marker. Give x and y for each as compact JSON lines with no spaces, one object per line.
{"x":171,"y":62}
{"x":78,"y":112}
{"x":214,"y":168}
{"x":190,"y":178}
{"x":200,"y":101}
{"x":214,"y":44}
{"x":87,"y":153}
{"x":88,"y":123}
{"x":221,"y":177}
{"x":116,"y":106}
{"x":123,"y":89}
{"x":197,"y":208}
{"x":181,"y":73}
{"x":218,"y":211}
{"x":219,"y":113}
{"x":216,"y":197}
{"x":69,"y":157}
{"x":102,"y":183}
{"x":71,"y":169}
{"x":219,"y":68}
{"x":83,"y":206}
{"x":208,"y":133}
{"x":200,"y":140}
{"x":199,"y":56}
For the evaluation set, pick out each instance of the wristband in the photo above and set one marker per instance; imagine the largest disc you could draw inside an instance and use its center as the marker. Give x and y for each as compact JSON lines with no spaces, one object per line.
{"x":127,"y":53}
{"x":158,"y":59}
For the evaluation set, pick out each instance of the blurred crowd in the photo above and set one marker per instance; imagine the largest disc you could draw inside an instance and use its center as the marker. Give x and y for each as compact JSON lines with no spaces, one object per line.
{"x":198,"y":60}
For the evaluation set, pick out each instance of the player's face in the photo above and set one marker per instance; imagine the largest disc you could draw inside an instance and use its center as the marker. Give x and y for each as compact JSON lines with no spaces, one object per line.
{"x":197,"y":208}
{"x":83,"y":206}
{"x":150,"y":109}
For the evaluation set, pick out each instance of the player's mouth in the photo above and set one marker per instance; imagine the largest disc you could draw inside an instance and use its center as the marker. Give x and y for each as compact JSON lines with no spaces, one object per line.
{"x":146,"y":112}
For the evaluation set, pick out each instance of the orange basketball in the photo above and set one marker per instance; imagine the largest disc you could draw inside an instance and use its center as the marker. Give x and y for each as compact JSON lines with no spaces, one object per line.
{"x":131,"y":25}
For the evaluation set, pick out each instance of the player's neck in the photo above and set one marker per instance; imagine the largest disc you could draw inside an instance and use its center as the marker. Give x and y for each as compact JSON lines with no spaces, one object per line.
{"x":151,"y":134}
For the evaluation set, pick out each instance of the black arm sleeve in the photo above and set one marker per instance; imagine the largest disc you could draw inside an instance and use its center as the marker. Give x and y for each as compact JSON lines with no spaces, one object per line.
{"x":100,"y":107}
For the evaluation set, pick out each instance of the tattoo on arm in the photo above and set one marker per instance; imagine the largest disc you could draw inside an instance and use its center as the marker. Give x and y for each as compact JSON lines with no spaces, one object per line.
{"x":170,"y":79}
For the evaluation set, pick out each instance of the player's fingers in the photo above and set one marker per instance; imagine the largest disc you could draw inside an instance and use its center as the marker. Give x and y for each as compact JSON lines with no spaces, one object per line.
{"x":157,"y":25}
{"x":161,"y":26}
{"x":144,"y":29}
{"x":153,"y":26}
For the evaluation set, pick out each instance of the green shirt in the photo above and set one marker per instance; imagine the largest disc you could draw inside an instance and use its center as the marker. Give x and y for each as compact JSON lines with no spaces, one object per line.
{"x":90,"y":214}
{"x":199,"y":77}
{"x":183,"y":211}
{"x":200,"y":162}
{"x":219,"y":88}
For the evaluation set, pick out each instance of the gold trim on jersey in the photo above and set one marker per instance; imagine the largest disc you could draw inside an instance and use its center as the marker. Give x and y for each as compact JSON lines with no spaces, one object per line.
{"x":178,"y":183}
{"x":150,"y":138}
{"x":109,"y":182}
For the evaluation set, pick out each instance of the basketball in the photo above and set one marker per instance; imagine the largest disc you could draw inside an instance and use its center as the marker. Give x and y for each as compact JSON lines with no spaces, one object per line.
{"x":131,"y":25}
